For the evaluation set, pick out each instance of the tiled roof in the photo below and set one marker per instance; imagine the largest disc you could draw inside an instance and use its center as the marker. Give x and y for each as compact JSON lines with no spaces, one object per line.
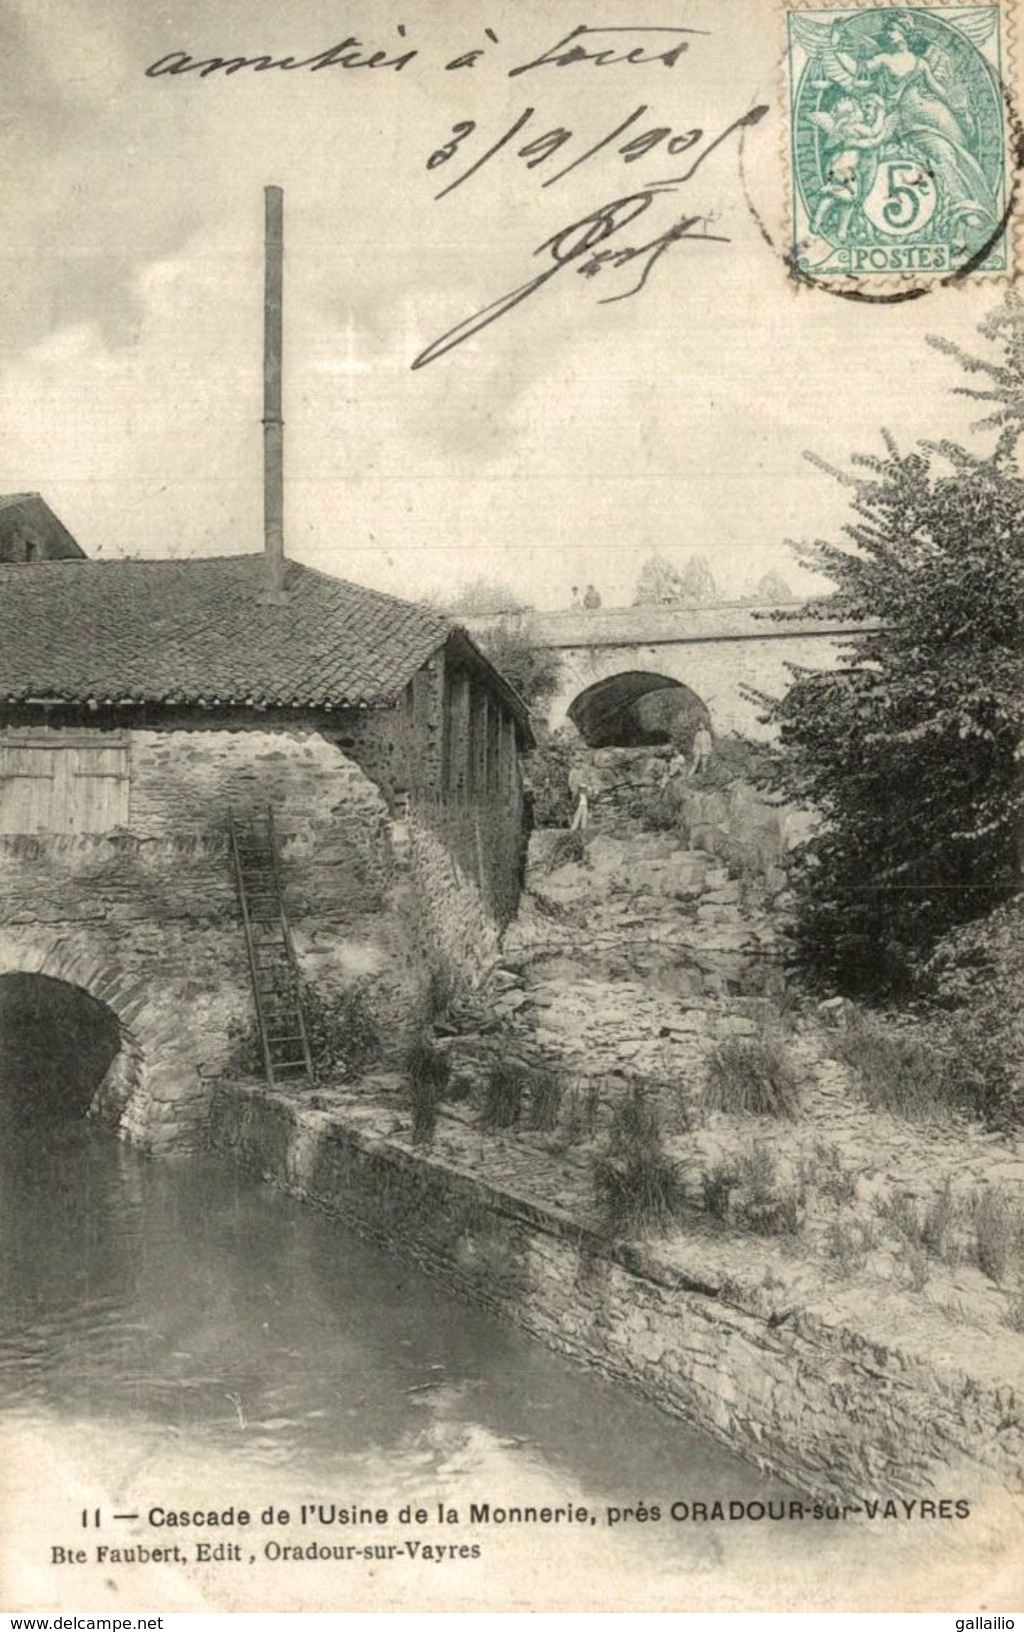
{"x":196,"y":631}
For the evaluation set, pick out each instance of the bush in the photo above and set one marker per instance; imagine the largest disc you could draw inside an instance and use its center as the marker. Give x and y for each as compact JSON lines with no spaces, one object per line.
{"x":441,"y":990}
{"x":567,"y":847}
{"x":849,"y":1242}
{"x":987,"y":1226}
{"x":547,"y":770}
{"x":764,"y":1205}
{"x":977,"y":974}
{"x":429,"y":1072}
{"x":746,"y":1193}
{"x":898,"y":1069}
{"x":581,"y":1113}
{"x":823,"y":1172}
{"x":637,"y":1183}
{"x":1014,"y":1317}
{"x":718,"y":1183}
{"x":752,"y":1077}
{"x":341,"y":1031}
{"x":998,"y":1222}
{"x":533,"y":670}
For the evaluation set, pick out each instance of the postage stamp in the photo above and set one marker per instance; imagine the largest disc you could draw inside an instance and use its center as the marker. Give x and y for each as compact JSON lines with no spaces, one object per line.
{"x":898,"y":141}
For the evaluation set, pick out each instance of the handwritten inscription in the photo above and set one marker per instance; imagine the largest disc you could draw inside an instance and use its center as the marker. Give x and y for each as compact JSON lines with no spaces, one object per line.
{"x":577,"y":246}
{"x":349,"y":53}
{"x":627,"y":45}
{"x":539,"y":149}
{"x":594,"y":246}
{"x":606,"y":47}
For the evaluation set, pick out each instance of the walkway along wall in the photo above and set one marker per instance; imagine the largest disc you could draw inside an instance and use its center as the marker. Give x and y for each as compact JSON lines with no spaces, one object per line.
{"x":838,"y":1410}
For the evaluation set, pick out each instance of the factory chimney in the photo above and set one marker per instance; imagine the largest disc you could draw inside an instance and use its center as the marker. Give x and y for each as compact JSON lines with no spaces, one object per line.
{"x":273,"y":424}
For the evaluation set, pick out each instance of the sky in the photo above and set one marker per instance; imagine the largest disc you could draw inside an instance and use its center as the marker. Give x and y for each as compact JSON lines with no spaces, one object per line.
{"x":560,"y":445}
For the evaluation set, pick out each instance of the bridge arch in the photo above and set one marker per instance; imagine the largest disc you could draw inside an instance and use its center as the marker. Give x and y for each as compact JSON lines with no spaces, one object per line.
{"x":635,"y":707}
{"x":57,"y":1047}
{"x":123,"y":1037}
{"x":717,"y":673}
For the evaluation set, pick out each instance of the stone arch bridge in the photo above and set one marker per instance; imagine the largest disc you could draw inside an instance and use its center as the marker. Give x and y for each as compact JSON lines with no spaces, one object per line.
{"x":612,"y":657}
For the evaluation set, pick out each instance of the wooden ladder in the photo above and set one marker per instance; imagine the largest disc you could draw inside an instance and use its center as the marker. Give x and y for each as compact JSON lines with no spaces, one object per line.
{"x":276,"y":987}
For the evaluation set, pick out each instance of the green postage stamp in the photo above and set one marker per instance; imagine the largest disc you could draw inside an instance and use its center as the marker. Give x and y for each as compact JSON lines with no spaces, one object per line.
{"x":898,"y":141}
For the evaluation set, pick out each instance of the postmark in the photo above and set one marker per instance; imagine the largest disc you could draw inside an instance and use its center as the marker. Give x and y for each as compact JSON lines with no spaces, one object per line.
{"x":898,"y":147}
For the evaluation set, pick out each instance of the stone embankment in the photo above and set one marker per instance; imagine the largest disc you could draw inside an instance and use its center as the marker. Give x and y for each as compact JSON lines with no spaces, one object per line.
{"x":830,"y":1393}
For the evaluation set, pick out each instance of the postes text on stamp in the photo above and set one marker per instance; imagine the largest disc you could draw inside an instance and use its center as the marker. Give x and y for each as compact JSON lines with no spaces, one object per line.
{"x":897,"y":142}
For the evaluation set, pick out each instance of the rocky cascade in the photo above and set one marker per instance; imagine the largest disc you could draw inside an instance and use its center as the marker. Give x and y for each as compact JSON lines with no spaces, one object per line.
{"x":646,"y":941}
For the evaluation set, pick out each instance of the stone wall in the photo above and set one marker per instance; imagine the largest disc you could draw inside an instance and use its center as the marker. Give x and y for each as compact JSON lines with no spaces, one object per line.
{"x":146,"y":918}
{"x":454,"y":927}
{"x":399,"y":748}
{"x":835,"y":1407}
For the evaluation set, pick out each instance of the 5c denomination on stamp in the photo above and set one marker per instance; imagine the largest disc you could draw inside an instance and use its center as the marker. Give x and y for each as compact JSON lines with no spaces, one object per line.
{"x":898,"y":142}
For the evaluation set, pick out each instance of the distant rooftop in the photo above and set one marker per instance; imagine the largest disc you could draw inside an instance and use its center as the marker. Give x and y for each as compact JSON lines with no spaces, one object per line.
{"x":30,"y":531}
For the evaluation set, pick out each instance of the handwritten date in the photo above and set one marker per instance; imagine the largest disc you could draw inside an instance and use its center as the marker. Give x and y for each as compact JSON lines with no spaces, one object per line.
{"x":538,"y":150}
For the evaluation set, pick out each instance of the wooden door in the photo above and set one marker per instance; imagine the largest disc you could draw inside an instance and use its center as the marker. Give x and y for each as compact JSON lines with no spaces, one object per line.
{"x":63,"y":786}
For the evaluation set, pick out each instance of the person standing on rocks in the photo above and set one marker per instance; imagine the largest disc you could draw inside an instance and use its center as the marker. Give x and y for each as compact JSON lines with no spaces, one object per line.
{"x":673,"y":783}
{"x":581,"y":815}
{"x":703,"y":747}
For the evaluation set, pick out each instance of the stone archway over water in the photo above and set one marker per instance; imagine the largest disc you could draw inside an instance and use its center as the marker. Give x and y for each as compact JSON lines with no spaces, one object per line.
{"x":58,"y":1046}
{"x":62,"y":997}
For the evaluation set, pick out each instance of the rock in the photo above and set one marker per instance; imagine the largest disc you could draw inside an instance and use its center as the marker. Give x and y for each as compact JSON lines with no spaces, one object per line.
{"x":726,"y":895}
{"x":505,"y":978}
{"x":835,"y":1012}
{"x":734,"y":1026}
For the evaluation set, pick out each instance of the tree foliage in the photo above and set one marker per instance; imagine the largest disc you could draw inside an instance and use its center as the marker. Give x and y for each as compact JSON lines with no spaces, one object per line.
{"x":1005,"y":374}
{"x":532,"y":670}
{"x":977,"y":972}
{"x":484,"y":598}
{"x":771,"y":586}
{"x":911,"y":751}
{"x":662,"y":583}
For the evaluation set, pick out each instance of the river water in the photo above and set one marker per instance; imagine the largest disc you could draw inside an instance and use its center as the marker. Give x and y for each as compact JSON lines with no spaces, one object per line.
{"x":174,"y":1336}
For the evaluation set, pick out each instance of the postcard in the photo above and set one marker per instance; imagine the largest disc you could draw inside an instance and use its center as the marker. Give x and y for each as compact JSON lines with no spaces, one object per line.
{"x":510,"y":567}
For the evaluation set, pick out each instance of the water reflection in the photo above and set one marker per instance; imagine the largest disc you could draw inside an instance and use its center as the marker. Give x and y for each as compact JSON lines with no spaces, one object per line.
{"x":177,"y":1333}
{"x":185,"y":1295}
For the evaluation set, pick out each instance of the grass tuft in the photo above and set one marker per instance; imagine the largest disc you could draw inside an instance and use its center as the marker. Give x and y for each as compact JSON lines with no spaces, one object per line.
{"x":428,"y":1072}
{"x":897,"y":1070}
{"x":504,"y":1093}
{"x":637,"y":1183}
{"x":546,"y":1091}
{"x":746,"y":1191}
{"x":753,"y":1076}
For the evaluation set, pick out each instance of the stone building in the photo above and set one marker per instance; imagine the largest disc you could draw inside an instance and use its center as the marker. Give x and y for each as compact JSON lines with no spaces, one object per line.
{"x":139,"y":701}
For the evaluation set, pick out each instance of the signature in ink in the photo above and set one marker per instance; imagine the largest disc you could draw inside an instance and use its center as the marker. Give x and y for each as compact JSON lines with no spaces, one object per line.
{"x":578,"y":246}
